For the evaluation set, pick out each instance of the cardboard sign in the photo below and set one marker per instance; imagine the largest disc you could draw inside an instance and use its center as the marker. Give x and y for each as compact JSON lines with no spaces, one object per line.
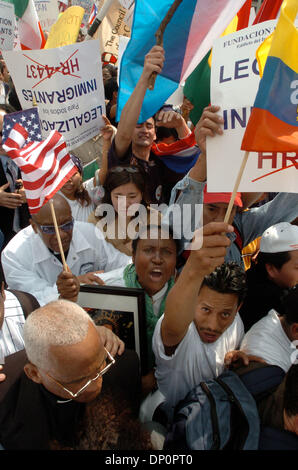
{"x":47,"y":11}
{"x":7,"y":26}
{"x":234,"y":84}
{"x":66,"y":86}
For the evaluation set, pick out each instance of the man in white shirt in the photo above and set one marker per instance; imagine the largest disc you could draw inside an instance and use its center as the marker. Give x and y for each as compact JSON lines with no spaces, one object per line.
{"x":274,"y":338}
{"x":201,"y":323}
{"x":32,"y":261}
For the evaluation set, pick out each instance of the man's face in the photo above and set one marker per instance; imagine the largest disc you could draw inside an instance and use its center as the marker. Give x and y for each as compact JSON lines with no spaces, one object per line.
{"x":287,"y":275}
{"x":216,"y":212}
{"x":214,"y":314}
{"x":144,"y":134}
{"x":44,"y":218}
{"x":72,"y":366}
{"x":155,"y":262}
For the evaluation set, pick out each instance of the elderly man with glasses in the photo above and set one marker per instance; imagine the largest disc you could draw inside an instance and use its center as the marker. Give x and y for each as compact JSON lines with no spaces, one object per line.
{"x":32,"y":261}
{"x":58,"y":400}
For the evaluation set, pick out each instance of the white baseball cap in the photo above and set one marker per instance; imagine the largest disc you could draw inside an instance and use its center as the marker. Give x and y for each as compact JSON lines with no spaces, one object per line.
{"x":280,"y":237}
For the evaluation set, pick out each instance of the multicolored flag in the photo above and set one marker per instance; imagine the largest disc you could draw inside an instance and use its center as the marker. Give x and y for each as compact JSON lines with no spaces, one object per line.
{"x":45,"y":166}
{"x":197,"y":85}
{"x":30,"y":32}
{"x":29,"y":119}
{"x":273,"y":123}
{"x":92,"y":14}
{"x":188,"y":37}
{"x":268,"y":11}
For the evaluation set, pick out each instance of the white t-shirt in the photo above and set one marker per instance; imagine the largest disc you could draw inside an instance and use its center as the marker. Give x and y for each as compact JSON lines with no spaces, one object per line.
{"x":192,"y":362}
{"x":268,"y":340}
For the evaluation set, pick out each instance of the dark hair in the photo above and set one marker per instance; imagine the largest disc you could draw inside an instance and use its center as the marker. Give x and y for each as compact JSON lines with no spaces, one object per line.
{"x":276,"y":259}
{"x":229,"y":278}
{"x":115,"y":178}
{"x":146,"y":228}
{"x":289,"y":303}
{"x":111,"y":68}
{"x":165,"y":132}
{"x":81,"y":194}
{"x":7,"y":108}
{"x":110,"y":86}
{"x":291,"y":391}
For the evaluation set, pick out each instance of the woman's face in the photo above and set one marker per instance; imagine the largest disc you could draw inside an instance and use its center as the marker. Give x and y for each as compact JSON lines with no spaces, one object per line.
{"x":72,"y":185}
{"x":124,"y":196}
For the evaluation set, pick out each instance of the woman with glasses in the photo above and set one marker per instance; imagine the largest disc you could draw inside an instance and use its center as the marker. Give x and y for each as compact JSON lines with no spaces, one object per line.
{"x":123,"y":202}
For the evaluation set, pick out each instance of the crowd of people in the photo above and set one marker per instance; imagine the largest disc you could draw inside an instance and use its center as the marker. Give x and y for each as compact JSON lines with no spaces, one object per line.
{"x":68,"y":383}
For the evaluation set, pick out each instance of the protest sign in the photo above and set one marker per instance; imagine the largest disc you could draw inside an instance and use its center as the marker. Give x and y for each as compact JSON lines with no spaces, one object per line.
{"x":111,"y":28}
{"x":87,"y":5}
{"x":7,"y":26}
{"x":66,"y":86}
{"x":65,"y":31}
{"x":47,"y":11}
{"x":234,"y":84}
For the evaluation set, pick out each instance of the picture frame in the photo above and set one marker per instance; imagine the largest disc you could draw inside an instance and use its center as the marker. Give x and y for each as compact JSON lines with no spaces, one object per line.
{"x":123,"y":311}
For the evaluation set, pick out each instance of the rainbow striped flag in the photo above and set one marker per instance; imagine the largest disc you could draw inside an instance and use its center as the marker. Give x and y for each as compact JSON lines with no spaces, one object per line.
{"x":187,"y":39}
{"x":273,"y":123}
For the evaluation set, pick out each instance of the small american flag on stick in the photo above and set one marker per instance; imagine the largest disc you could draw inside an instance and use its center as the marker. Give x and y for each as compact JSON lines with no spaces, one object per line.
{"x":28,"y":118}
{"x":45,"y":165}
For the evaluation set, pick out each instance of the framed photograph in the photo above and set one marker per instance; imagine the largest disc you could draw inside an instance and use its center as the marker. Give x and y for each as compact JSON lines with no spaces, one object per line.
{"x":121,"y":309}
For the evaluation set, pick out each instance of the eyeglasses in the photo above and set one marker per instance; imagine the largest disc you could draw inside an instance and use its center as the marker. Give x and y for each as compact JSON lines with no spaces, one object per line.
{"x":129,"y":169}
{"x":50,"y":229}
{"x":99,"y":374}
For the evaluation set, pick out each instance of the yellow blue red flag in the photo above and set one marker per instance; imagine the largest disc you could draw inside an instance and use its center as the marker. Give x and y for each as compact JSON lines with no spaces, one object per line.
{"x":273,"y":124}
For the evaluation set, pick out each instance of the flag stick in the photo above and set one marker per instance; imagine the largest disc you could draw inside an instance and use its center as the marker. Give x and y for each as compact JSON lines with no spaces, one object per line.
{"x":99,"y":18}
{"x":58,"y":235}
{"x":159,"y":36}
{"x":240,"y":173}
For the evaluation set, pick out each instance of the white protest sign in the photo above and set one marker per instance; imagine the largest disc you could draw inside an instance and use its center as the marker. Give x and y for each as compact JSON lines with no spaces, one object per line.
{"x":47,"y":11}
{"x":66,"y":85}
{"x":7,"y":26}
{"x":234,"y":84}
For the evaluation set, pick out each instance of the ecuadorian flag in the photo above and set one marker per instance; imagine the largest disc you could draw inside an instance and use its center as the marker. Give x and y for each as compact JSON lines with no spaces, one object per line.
{"x":273,"y":123}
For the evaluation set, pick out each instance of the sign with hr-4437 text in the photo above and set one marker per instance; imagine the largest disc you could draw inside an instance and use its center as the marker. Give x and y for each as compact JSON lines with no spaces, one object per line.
{"x":66,"y":86}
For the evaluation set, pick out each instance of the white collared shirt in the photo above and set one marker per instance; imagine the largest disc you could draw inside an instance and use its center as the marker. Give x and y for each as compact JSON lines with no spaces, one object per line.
{"x":29,"y":266}
{"x":11,"y":333}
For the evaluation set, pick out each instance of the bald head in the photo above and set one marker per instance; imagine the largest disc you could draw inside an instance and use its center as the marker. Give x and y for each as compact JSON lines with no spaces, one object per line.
{"x":61,"y":206}
{"x":44,"y":218}
{"x":65,"y":351}
{"x":59,"y":323}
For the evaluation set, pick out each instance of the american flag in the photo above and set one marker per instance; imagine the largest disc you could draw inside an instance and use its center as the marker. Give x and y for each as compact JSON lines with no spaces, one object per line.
{"x":92,"y":14}
{"x":45,"y":165}
{"x":28,"y":119}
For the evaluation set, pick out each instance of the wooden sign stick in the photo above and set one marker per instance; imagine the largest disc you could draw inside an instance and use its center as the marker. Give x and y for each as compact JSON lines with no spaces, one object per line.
{"x":240,"y":173}
{"x":58,"y":235}
{"x":159,"y":36}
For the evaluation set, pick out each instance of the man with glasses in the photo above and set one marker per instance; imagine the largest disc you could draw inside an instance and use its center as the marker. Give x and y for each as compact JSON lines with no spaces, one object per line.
{"x":32,"y":261}
{"x":68,"y":367}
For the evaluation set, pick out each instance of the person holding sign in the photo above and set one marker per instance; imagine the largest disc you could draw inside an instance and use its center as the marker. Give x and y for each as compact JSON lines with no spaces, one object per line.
{"x":248,"y":225}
